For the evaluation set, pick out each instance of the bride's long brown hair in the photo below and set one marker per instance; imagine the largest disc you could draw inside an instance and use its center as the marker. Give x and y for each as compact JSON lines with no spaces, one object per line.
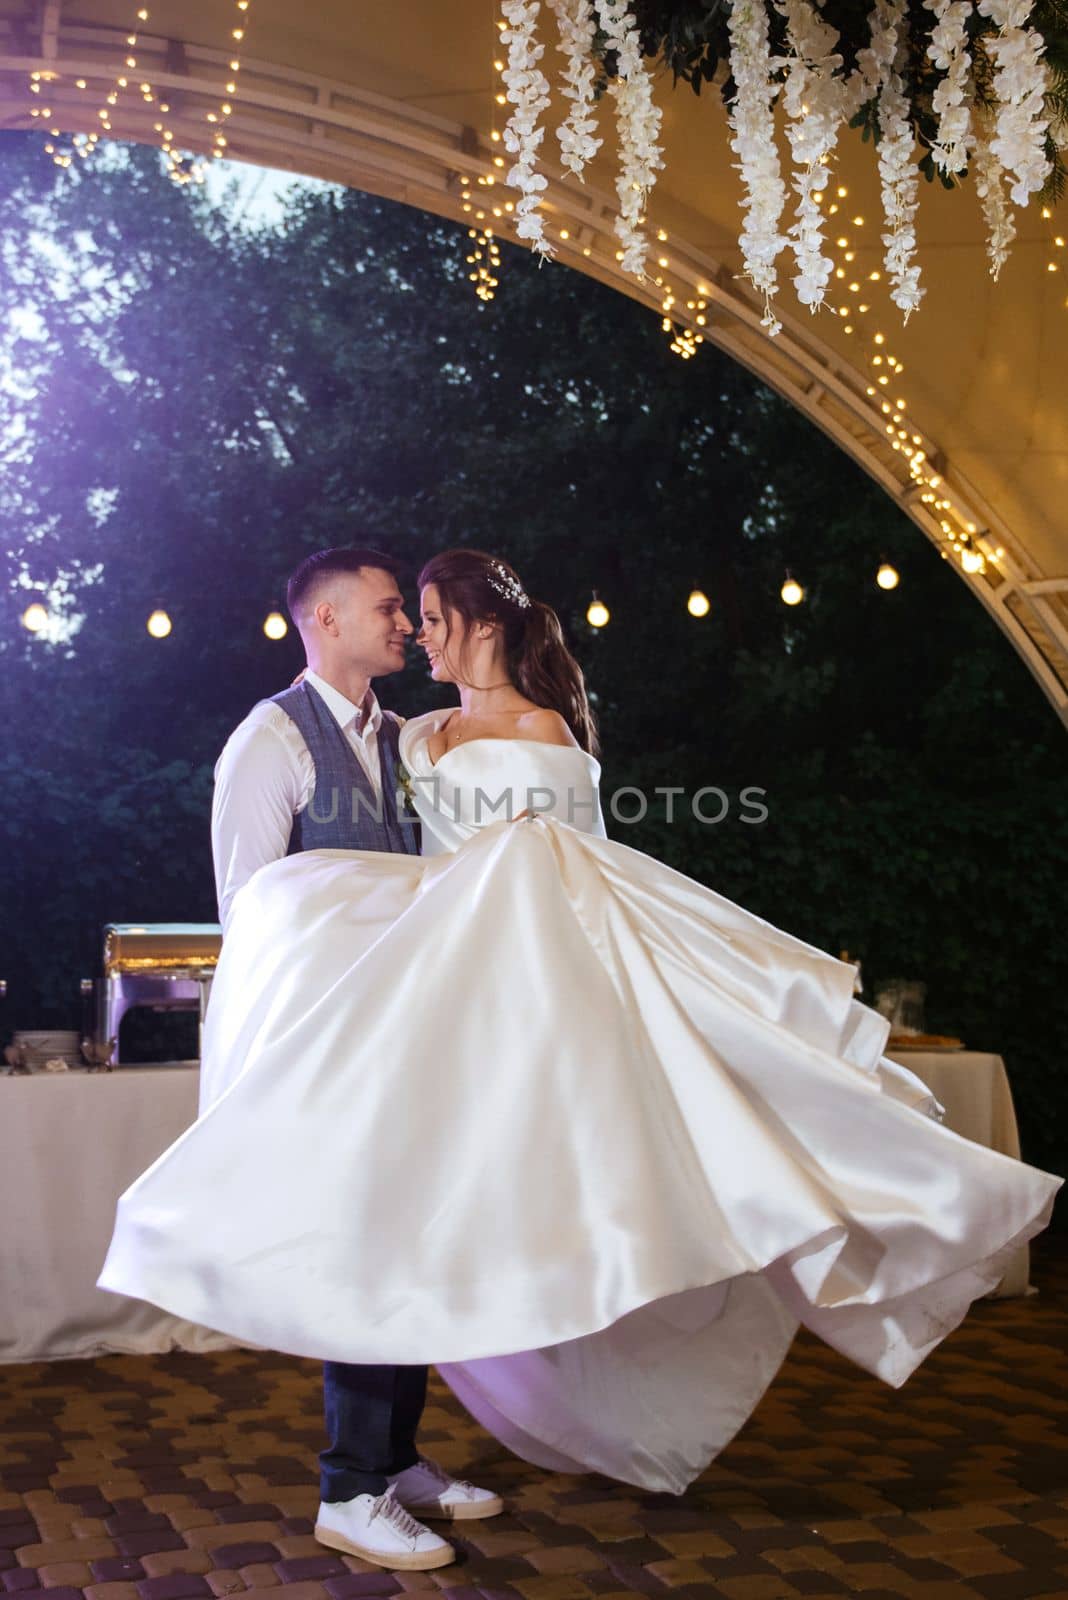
{"x":470,"y":584}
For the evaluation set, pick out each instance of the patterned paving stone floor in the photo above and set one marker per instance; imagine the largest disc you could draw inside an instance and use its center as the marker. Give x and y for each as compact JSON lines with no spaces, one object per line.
{"x":185,"y":1477}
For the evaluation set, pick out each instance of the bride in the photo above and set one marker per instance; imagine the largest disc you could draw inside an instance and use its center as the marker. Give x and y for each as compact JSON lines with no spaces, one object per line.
{"x":602,"y":1139}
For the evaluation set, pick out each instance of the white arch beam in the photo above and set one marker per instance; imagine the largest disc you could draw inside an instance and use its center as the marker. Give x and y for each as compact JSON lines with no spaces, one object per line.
{"x":330,"y":129}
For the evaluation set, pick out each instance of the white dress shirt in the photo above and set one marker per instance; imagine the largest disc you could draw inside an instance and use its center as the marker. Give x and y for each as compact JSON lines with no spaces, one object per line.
{"x":266,"y":775}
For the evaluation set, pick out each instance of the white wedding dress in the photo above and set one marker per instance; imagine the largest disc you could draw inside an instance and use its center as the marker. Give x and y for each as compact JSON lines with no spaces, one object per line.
{"x":544,"y":1112}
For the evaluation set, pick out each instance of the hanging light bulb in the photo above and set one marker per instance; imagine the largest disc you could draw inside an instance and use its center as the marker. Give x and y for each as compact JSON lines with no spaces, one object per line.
{"x":275,"y":626}
{"x":887,"y":576}
{"x":159,"y":624}
{"x":35,"y":617}
{"x":597,"y":613}
{"x":792,"y":592}
{"x":971,"y":559}
{"x":698,"y":605}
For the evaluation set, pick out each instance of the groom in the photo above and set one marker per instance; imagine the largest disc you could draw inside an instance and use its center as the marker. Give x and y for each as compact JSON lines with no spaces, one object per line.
{"x":315,"y":768}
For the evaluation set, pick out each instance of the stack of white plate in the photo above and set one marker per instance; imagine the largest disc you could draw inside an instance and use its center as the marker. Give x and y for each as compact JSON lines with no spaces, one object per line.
{"x":38,"y":1047}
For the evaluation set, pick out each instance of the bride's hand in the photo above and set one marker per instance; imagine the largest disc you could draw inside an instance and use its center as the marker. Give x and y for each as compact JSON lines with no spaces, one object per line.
{"x":299,"y":678}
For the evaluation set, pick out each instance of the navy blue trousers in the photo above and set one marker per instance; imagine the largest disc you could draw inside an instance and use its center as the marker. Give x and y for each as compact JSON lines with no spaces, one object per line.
{"x":372,"y":1414}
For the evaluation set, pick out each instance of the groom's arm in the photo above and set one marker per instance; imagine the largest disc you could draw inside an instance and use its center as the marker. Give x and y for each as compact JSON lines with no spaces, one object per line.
{"x":258,"y":790}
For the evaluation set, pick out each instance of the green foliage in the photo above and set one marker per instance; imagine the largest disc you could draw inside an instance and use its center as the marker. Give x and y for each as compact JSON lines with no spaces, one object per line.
{"x":195,"y":404}
{"x":691,"y":38}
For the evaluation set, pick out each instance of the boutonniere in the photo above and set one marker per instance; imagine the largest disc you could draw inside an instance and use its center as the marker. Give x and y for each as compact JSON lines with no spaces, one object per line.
{"x":405,"y":787}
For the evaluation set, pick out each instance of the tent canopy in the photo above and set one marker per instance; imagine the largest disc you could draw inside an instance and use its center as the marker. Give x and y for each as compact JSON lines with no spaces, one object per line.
{"x":399,"y":100}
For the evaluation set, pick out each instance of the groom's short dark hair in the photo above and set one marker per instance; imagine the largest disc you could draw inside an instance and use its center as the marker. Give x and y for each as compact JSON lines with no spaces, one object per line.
{"x":326,"y":564}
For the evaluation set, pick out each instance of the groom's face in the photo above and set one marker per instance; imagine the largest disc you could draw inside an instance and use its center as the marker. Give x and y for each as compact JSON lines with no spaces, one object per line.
{"x":367,"y":623}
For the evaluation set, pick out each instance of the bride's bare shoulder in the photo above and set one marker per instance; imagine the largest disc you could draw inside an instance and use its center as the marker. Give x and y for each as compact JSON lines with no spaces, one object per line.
{"x":547,"y":727}
{"x":417,"y":728}
{"x":424,"y":719}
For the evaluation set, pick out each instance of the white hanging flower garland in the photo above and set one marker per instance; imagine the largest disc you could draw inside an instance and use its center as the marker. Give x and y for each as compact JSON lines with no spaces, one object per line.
{"x":1006,"y":146}
{"x":528,"y":91}
{"x":638,"y":128}
{"x":952,"y":99}
{"x":753,"y":142}
{"x":814,"y":102}
{"x":1020,"y":83}
{"x":990,"y":187}
{"x":897,"y":147}
{"x":577,"y":28}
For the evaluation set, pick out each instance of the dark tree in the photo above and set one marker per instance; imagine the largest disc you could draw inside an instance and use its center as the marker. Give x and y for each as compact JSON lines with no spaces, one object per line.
{"x":189,"y":404}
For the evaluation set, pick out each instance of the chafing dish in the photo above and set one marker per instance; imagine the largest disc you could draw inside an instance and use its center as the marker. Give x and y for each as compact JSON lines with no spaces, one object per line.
{"x":165,"y":965}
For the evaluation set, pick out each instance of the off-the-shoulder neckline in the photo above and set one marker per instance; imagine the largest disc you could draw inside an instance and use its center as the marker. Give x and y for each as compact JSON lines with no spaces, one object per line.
{"x":489,"y":738}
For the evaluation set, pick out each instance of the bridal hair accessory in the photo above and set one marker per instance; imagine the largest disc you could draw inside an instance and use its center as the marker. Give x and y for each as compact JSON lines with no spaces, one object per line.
{"x":501,"y":579}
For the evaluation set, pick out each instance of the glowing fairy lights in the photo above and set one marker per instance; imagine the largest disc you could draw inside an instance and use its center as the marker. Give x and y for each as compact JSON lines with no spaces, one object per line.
{"x":130,"y":82}
{"x":484,"y":258}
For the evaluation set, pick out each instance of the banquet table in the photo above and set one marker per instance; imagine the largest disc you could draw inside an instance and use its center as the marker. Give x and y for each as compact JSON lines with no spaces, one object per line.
{"x":70,"y":1143}
{"x":974,"y":1088}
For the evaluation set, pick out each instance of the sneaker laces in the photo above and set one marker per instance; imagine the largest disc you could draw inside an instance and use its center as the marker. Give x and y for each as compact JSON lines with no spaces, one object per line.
{"x":443,"y":1477}
{"x":389,"y":1508}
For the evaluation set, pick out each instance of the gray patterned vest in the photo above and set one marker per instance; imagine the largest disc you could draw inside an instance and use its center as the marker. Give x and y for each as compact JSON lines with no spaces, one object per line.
{"x":344,"y":813}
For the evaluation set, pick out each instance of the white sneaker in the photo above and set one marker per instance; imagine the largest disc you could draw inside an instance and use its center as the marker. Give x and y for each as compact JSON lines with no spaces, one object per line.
{"x":427,"y":1490}
{"x":378,"y":1528}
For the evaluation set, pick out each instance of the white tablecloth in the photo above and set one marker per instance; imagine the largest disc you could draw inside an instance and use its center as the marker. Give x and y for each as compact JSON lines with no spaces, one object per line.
{"x":70,"y":1143}
{"x":974,"y":1088}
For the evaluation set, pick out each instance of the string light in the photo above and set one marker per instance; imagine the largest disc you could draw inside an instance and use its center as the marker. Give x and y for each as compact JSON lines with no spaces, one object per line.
{"x":35,"y":617}
{"x":597,"y":613}
{"x":685,"y":333}
{"x":684,"y":339}
{"x":685,"y":336}
{"x":84,"y":144}
{"x":1057,"y":244}
{"x":887,"y":576}
{"x":275,"y":625}
{"x":698,"y":605}
{"x":484,"y":253}
{"x":181,"y":167}
{"x":485,"y":258}
{"x":159,"y":624}
{"x":849,"y":313}
{"x":971,"y":558}
{"x":191,"y":169}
